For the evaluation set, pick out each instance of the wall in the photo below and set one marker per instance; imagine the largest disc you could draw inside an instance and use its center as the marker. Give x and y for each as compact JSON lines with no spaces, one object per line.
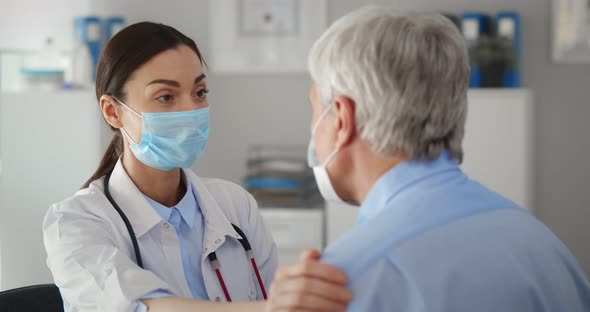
{"x":273,"y":108}
{"x":26,"y":24}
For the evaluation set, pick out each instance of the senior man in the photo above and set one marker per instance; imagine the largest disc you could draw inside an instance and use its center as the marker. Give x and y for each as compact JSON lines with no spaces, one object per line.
{"x":389,"y":102}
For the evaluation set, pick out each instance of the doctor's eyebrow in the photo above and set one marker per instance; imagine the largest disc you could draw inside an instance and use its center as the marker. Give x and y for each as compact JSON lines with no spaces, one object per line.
{"x":198,"y":79}
{"x":174,"y":83}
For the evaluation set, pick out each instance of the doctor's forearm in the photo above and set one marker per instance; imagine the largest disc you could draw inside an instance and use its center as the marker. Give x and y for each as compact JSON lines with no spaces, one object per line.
{"x":176,"y":304}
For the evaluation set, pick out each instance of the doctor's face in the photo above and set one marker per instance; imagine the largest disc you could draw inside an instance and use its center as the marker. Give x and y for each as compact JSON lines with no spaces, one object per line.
{"x":171,"y":81}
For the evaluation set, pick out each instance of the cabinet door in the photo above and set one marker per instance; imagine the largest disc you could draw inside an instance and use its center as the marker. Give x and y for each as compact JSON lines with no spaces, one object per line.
{"x":294,"y":230}
{"x":50,"y":144}
{"x":498,"y":143}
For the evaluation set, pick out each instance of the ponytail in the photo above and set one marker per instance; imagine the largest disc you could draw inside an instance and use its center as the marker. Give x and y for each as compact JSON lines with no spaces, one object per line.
{"x":109,"y":160}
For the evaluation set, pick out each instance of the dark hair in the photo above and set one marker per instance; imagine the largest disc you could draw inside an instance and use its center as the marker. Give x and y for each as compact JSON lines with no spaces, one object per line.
{"x":122,"y":56}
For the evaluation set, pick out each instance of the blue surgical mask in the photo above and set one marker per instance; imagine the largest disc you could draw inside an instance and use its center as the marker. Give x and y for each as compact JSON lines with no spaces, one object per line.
{"x":172,"y":139}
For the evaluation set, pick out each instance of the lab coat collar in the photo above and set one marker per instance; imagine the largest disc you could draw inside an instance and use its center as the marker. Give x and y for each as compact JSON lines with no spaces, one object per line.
{"x":132,"y":202}
{"x":217,"y":226}
{"x":143,"y":217}
{"x":187,"y":206}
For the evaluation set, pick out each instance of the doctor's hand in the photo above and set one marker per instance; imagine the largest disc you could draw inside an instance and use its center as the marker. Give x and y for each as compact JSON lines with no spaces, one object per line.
{"x":309,"y":285}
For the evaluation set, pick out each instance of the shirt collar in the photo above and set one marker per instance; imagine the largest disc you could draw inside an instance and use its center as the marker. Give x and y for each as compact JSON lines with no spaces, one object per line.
{"x":187,"y":206}
{"x":217,"y":225}
{"x":143,"y":218}
{"x":400,"y":178}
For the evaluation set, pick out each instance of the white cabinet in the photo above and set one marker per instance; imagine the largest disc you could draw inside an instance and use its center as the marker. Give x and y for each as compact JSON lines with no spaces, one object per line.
{"x":498,"y":148}
{"x":294,"y":230}
{"x":50,"y":144}
{"x":499,"y":142}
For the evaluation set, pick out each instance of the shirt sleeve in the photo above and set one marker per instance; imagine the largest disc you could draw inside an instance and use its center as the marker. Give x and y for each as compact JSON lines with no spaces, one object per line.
{"x":92,"y":273}
{"x":385,"y":287}
{"x":263,"y":246}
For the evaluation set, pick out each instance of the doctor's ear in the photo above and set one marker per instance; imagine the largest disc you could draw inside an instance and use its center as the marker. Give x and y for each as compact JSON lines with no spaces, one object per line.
{"x":108,"y":107}
{"x":344,"y":108}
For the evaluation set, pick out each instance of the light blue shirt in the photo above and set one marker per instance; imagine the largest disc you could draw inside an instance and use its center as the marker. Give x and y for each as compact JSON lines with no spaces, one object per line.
{"x":430,"y":239}
{"x":187,"y":220}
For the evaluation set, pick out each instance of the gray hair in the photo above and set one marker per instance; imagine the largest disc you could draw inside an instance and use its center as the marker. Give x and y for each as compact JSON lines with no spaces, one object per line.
{"x":408,"y":75}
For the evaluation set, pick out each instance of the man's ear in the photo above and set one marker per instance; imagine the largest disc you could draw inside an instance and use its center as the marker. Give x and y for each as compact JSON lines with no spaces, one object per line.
{"x":345,"y":108}
{"x":108,"y":107}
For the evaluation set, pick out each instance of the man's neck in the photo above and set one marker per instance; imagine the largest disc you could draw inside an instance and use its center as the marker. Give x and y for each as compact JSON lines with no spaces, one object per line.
{"x":370,"y":171}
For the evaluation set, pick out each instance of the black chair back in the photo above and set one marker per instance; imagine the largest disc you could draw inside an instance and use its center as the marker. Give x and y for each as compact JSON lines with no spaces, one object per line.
{"x":31,"y":299}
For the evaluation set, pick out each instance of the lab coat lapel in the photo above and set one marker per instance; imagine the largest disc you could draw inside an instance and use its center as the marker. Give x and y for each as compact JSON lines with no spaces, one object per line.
{"x":217,"y":226}
{"x":132,"y":202}
{"x":234,"y":265}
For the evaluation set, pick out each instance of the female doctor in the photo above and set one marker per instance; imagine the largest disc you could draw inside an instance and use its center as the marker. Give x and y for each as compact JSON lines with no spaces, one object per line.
{"x":147,"y":233}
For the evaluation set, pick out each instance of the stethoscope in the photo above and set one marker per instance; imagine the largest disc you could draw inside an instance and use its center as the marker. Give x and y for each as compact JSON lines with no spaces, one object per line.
{"x":212,"y":256}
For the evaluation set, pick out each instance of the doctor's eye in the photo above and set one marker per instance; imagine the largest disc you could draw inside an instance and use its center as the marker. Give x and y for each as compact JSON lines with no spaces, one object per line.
{"x":165,"y":98}
{"x":202,"y":93}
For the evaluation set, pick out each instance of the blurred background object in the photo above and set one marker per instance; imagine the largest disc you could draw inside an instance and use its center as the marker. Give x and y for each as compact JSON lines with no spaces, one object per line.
{"x":494,"y":59}
{"x":494,"y":49}
{"x":90,"y":35}
{"x":263,"y":36}
{"x":284,"y":186}
{"x":475,"y":27}
{"x":54,"y":67}
{"x":294,"y":230}
{"x":571,"y":31}
{"x":508,"y":31}
{"x":278,"y":176}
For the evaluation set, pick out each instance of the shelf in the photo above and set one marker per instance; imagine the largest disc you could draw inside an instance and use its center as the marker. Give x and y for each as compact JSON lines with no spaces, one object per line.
{"x":499,"y":92}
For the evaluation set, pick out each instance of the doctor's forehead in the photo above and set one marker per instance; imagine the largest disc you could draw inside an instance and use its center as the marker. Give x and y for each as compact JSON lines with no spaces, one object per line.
{"x":180,"y":64}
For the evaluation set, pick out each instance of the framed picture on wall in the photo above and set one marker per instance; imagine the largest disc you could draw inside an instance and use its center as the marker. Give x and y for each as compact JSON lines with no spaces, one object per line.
{"x":571,"y":31}
{"x":263,"y":36}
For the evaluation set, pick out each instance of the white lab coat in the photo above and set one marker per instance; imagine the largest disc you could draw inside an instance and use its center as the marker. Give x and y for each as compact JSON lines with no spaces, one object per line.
{"x":91,"y":256}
